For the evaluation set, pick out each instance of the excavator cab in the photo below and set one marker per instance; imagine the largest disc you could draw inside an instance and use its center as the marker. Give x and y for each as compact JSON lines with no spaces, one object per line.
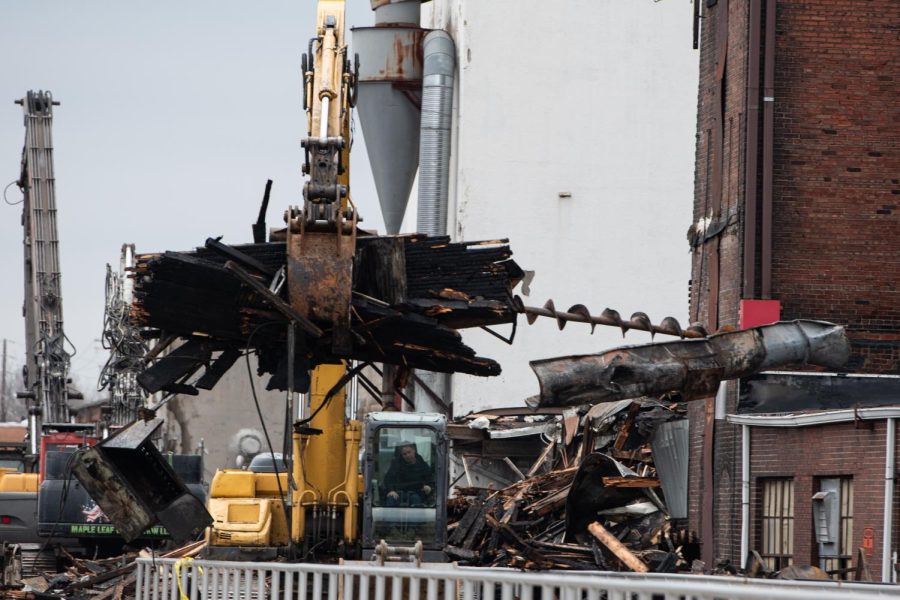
{"x":406,"y":480}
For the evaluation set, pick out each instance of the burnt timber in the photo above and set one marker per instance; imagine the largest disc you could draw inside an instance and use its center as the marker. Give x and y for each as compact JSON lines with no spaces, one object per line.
{"x":410,"y":295}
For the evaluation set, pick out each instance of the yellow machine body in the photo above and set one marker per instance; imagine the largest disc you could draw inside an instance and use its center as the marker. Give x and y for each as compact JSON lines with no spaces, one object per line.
{"x":13,"y":481}
{"x":327,"y":464}
{"x":247,"y":509}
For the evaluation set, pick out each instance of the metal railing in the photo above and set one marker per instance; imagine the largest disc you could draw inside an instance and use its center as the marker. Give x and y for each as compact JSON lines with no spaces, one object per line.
{"x":171,"y":579}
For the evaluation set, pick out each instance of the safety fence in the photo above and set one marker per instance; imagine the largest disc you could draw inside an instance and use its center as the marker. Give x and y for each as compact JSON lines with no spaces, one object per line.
{"x":171,"y":579}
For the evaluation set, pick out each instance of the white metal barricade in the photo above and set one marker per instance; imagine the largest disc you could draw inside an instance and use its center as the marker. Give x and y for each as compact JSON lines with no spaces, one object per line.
{"x":172,"y":579}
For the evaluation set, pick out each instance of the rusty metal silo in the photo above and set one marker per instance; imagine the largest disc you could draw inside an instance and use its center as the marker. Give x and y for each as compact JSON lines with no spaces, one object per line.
{"x":389,"y":100}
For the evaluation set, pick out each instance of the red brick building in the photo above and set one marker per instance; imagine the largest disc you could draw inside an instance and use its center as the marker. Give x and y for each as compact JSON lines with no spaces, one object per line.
{"x":797,"y":200}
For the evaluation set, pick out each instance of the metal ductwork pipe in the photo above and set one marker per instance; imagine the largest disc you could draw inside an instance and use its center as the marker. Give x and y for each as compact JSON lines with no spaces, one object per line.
{"x":693,"y":368}
{"x":439,"y":58}
{"x":439,"y":64}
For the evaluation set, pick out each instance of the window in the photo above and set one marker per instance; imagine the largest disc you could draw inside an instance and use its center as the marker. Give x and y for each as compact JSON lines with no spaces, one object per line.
{"x":777,"y":522}
{"x":403,"y":508}
{"x":16,"y":465}
{"x":842,"y":556}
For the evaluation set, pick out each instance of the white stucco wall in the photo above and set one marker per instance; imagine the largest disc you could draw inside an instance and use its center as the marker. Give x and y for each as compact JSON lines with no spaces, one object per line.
{"x":218,"y":415}
{"x":595,"y":98}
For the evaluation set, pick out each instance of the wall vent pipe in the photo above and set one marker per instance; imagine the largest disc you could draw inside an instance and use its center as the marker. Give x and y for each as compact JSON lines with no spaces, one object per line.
{"x":745,"y":493}
{"x":439,"y":64}
{"x":752,"y":166}
{"x":890,"y":468}
{"x":768,"y":153}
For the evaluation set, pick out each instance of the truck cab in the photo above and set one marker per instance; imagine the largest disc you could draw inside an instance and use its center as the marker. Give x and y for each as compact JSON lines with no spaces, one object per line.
{"x":416,"y":510}
{"x":18,"y":489}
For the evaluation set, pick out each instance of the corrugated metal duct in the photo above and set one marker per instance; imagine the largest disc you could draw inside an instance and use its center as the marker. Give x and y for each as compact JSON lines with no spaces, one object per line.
{"x":670,"y":455}
{"x":439,"y":64}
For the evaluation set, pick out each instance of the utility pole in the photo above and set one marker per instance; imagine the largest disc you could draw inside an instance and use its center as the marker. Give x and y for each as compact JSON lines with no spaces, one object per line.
{"x":3,"y":385}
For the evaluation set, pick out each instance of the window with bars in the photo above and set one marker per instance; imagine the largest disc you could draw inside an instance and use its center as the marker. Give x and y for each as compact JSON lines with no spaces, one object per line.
{"x":777,"y":522}
{"x":838,"y":565}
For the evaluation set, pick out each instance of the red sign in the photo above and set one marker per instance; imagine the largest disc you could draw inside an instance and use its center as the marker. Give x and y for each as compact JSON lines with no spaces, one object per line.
{"x":869,"y":541}
{"x":753,"y":313}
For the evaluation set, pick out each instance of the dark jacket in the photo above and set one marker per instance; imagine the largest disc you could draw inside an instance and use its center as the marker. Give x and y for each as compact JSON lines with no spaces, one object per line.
{"x":405,"y":477}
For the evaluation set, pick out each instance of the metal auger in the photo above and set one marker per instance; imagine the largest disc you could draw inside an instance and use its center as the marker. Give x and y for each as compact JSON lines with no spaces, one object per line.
{"x":609,"y":317}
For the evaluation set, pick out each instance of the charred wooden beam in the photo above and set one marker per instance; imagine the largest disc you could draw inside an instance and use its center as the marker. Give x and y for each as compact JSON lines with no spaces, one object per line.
{"x":217,"y":369}
{"x":618,"y":548}
{"x":235,"y":255}
{"x":475,"y":511}
{"x":183,"y":361}
{"x":631,"y":482}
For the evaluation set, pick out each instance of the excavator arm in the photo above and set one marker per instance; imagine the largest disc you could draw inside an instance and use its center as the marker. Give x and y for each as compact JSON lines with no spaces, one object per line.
{"x":321,"y":237}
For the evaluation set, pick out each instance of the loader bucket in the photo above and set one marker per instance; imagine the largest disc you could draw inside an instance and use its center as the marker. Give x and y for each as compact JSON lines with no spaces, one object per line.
{"x":137,"y":488}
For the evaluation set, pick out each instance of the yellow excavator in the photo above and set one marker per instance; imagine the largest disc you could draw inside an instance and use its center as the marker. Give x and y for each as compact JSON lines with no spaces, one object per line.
{"x":311,"y":502}
{"x":249,"y":515}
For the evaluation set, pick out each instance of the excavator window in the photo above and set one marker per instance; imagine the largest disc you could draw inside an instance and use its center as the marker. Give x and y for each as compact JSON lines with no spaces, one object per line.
{"x":403,"y":507}
{"x":16,"y":465}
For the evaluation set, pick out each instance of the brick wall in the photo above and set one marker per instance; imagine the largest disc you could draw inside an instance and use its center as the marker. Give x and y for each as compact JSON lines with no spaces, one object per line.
{"x":719,"y":186}
{"x":837,"y":159}
{"x":808,"y":453}
{"x":716,"y":264}
{"x":836,"y":193}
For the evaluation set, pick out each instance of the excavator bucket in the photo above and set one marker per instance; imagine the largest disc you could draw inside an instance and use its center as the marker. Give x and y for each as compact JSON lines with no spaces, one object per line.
{"x":320,"y":280}
{"x":137,"y":488}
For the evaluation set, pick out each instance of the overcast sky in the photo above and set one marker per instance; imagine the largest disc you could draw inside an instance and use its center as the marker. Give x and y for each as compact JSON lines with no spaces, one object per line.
{"x":173,"y":116}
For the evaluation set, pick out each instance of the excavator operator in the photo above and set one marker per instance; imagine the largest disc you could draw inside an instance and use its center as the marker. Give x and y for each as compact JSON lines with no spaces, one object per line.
{"x":409,"y":480}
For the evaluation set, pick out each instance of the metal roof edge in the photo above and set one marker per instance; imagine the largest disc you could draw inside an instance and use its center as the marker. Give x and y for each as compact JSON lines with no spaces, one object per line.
{"x":833,"y":374}
{"x":817,"y":418}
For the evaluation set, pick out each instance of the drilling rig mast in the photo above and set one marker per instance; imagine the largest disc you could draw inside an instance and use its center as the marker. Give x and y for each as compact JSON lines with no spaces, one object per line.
{"x":47,"y":358}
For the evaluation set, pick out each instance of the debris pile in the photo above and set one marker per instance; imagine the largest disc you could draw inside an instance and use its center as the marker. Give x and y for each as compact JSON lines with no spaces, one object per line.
{"x":410,"y":294}
{"x":589,"y":496}
{"x":105,"y":579}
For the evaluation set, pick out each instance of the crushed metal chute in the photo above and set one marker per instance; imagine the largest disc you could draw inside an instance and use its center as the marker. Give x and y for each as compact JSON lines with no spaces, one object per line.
{"x":136,"y":487}
{"x":694,"y":368}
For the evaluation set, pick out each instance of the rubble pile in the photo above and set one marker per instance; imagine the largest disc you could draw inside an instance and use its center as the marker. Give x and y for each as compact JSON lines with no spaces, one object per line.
{"x":105,"y":579}
{"x":410,"y":295}
{"x":591,"y":499}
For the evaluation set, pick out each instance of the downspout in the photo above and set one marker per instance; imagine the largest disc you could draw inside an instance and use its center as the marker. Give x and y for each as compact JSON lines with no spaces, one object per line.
{"x":768,"y":149}
{"x":439,"y":59}
{"x":751,"y":166}
{"x":889,"y":470}
{"x":439,"y":65}
{"x":745,"y":492}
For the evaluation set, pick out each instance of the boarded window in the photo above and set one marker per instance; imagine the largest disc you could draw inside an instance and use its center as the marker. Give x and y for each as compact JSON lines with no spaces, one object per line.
{"x":777,"y":522}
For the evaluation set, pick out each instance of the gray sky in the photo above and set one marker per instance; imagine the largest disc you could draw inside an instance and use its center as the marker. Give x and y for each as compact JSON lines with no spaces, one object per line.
{"x":173,"y":116}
